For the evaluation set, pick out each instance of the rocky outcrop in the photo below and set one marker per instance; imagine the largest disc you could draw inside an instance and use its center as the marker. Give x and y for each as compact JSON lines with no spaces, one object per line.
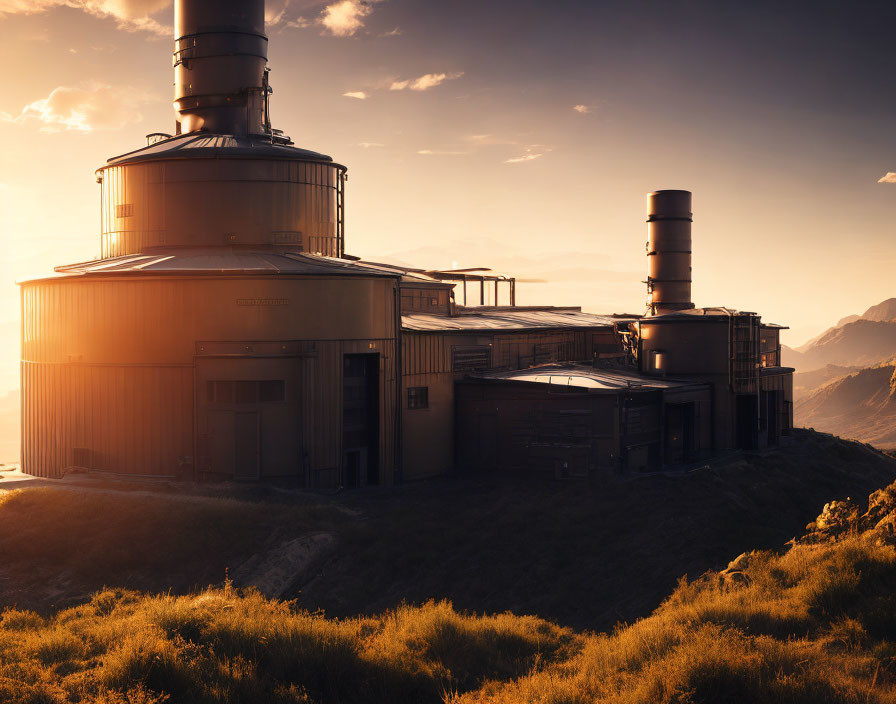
{"x":839,"y":519}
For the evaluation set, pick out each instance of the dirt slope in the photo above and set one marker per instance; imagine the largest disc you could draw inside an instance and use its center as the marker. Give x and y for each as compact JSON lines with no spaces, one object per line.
{"x":583,"y":554}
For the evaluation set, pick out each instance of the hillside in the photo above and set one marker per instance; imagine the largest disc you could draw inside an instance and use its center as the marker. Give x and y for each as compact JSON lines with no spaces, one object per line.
{"x":810,"y":624}
{"x":583,"y":554}
{"x":805,"y":383}
{"x":860,"y":405}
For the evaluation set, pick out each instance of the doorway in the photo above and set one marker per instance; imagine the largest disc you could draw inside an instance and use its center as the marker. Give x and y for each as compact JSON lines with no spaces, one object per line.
{"x":679,"y":433}
{"x":747,"y":420}
{"x":248,"y":418}
{"x":360,"y":420}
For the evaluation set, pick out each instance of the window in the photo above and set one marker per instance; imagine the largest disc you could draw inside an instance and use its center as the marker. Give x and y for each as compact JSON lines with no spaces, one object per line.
{"x":124,"y":210}
{"x":273,"y":391}
{"x":418,"y":397}
{"x":470,"y":359}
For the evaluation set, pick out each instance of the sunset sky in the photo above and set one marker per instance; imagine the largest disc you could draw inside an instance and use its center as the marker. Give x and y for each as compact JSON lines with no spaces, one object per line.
{"x":521,"y":135}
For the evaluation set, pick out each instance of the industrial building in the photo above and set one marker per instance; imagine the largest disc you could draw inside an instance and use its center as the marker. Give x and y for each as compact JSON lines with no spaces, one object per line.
{"x":225,"y":333}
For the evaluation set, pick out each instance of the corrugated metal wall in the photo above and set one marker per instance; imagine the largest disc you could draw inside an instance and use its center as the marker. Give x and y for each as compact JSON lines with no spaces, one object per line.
{"x":427,"y":360}
{"x":134,"y":419}
{"x":108,"y":364}
{"x":429,"y":353}
{"x":253,"y":201}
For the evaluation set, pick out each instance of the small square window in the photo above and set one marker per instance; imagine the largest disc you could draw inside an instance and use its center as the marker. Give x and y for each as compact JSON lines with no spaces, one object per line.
{"x":418,"y":397}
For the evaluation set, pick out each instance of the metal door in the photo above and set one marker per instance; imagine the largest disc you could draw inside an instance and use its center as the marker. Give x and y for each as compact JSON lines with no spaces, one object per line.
{"x":248,"y":417}
{"x":246,"y":446}
{"x":220,"y":441}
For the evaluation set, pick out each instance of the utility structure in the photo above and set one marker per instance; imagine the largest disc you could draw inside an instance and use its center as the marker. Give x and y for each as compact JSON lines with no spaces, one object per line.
{"x":225,"y":334}
{"x":669,"y":220}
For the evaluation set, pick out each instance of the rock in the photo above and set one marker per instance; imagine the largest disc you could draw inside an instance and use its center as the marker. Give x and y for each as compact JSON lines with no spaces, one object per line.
{"x":740,"y":562}
{"x":276,"y":571}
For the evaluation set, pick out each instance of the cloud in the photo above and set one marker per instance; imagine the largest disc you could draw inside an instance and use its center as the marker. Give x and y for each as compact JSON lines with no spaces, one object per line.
{"x":357,"y":94}
{"x":131,"y":15}
{"x":582,"y":109}
{"x":392,"y":33}
{"x":533,"y":152}
{"x":345,"y":17}
{"x":369,"y":145}
{"x":425,"y":82}
{"x":889,"y":177}
{"x":298,"y":23}
{"x":275,"y":11}
{"x":86,"y":107}
{"x":521,"y":159}
{"x":435,"y":152}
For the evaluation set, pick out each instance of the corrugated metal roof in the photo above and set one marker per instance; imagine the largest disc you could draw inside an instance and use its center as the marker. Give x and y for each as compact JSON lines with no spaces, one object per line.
{"x":191,"y":146}
{"x":408,"y":274}
{"x":508,"y":319}
{"x":225,"y":260}
{"x":716,"y":313}
{"x":585,"y":377}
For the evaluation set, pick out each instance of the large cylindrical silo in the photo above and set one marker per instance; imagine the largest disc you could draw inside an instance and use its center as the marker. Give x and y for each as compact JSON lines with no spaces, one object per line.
{"x":669,"y":220}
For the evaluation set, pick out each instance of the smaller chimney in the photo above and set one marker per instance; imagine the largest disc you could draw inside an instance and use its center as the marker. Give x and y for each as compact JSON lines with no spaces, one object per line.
{"x":669,"y":220}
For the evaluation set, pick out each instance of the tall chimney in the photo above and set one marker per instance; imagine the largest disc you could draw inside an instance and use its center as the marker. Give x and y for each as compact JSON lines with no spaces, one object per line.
{"x":220,"y":67}
{"x":669,"y":220}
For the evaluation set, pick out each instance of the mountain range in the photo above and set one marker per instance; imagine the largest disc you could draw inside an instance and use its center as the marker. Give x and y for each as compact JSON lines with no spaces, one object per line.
{"x":846,"y":377}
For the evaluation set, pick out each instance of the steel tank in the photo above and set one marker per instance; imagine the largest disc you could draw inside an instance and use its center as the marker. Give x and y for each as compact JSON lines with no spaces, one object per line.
{"x":115,"y":367}
{"x":266,"y":196}
{"x":220,"y":66}
{"x":669,"y":220}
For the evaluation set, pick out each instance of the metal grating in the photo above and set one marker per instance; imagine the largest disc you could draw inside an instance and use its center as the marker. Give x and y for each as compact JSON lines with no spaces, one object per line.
{"x":470,"y":359}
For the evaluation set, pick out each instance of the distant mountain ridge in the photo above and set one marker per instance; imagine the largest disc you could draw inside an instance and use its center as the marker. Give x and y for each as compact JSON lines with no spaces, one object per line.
{"x":860,"y":405}
{"x":861,"y":343}
{"x":846,"y":377}
{"x":806,"y":382}
{"x":882,"y":312}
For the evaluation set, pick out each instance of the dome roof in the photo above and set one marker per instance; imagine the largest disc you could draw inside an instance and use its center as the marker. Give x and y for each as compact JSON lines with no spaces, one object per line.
{"x":198,"y":145}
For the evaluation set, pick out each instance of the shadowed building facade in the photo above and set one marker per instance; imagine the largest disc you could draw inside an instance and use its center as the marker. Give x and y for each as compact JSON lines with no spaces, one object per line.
{"x":225,"y":333}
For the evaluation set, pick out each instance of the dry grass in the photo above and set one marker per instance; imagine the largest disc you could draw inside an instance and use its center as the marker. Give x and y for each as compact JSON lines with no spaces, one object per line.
{"x":813,"y":625}
{"x":816,"y":623}
{"x":220,"y":646}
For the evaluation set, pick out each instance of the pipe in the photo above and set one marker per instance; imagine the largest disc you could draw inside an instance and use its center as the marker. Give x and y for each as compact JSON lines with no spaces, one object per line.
{"x":669,"y":220}
{"x":220,"y":66}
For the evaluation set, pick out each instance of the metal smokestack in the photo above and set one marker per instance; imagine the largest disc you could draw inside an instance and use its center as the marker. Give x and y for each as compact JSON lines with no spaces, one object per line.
{"x":669,"y":220}
{"x":220,"y":67}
